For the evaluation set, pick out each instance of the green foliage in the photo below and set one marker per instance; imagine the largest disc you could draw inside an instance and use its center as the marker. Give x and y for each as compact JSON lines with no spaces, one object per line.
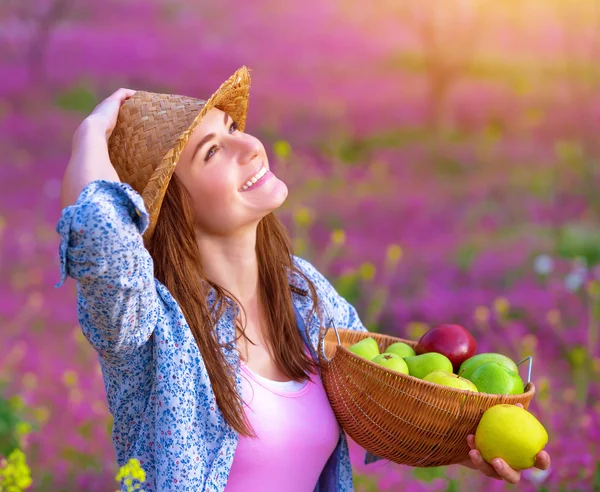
{"x":452,"y":486}
{"x":448,"y":167}
{"x":348,"y":286}
{"x":9,"y":425}
{"x":364,"y":483}
{"x":579,"y":241}
{"x":81,"y":460}
{"x":465,"y":256}
{"x":429,"y":474}
{"x":597,"y":477}
{"x":358,"y":150}
{"x":79,"y":98}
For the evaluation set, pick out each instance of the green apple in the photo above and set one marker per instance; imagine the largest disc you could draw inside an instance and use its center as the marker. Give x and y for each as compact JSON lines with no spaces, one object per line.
{"x":392,"y":361}
{"x":496,"y":379}
{"x":511,"y":433}
{"x":367,"y":348}
{"x":400,"y":348}
{"x":470,"y":365}
{"x":421,"y":365}
{"x":450,"y":379}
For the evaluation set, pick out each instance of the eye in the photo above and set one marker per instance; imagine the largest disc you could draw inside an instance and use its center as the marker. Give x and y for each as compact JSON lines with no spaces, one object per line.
{"x":233,"y":127}
{"x":212,"y":151}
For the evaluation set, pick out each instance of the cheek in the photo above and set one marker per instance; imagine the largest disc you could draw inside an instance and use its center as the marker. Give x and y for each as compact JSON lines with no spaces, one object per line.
{"x":215,"y":204}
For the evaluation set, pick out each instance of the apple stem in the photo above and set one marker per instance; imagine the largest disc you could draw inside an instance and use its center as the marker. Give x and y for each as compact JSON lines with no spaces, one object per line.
{"x":461,"y":372}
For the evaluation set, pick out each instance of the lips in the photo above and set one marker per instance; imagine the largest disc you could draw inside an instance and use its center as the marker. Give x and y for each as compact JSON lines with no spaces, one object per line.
{"x":258,"y":173}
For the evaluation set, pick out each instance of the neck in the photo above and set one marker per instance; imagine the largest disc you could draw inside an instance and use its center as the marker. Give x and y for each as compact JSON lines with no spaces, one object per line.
{"x":231,"y":262}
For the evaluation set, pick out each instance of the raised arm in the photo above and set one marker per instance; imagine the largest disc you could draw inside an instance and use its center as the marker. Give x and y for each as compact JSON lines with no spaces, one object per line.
{"x":89,"y":151}
{"x":102,"y":247}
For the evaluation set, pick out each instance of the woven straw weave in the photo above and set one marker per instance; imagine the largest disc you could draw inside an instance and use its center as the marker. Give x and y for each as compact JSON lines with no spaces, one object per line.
{"x":399,"y":417}
{"x":152,"y":129}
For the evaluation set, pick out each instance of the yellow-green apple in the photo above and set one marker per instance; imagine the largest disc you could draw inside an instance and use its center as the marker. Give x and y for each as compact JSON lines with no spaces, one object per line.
{"x":496,"y":379}
{"x":470,"y":365}
{"x":421,"y":365}
{"x":367,"y":348}
{"x":450,"y":379}
{"x":511,"y":433}
{"x":392,"y":361}
{"x":400,"y":348}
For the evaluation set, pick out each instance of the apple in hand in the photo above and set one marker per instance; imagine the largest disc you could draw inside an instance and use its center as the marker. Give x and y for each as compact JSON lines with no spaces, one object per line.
{"x":453,"y":341}
{"x":367,"y":348}
{"x":450,"y":379}
{"x":392,"y":361}
{"x":511,"y":433}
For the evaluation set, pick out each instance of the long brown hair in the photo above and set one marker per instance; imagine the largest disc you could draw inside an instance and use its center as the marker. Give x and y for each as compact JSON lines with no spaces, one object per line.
{"x":177,"y":264}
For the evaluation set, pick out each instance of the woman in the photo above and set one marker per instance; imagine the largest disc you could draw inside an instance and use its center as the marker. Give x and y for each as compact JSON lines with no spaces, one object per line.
{"x":205,"y":323}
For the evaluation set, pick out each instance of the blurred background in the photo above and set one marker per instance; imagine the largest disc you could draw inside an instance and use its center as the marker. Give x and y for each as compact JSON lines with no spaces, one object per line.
{"x":442,"y":160}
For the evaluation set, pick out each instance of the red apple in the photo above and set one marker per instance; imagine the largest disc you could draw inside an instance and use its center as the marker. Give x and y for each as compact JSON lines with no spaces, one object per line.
{"x":453,"y":341}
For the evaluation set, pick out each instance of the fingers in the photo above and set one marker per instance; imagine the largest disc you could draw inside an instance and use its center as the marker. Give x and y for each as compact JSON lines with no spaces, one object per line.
{"x":505,"y":472}
{"x":498,"y":469}
{"x":471,"y":441}
{"x":115,"y":100}
{"x":122,"y":94}
{"x":484,"y":467}
{"x":542,"y":460}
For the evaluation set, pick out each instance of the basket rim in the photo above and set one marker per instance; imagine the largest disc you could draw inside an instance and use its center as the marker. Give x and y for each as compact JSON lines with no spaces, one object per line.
{"x":529,"y":388}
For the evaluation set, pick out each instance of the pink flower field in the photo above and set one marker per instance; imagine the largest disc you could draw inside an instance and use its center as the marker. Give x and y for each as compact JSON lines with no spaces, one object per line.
{"x":443,"y":160}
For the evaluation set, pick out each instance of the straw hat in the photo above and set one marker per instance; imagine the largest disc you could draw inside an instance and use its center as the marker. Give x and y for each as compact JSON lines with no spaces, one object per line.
{"x":152,"y":130}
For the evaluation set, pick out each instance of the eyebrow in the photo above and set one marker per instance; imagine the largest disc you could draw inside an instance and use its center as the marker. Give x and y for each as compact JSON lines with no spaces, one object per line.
{"x":208,"y":137}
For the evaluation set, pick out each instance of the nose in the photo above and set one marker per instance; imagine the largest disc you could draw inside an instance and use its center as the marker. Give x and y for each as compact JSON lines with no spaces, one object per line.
{"x":248,"y":147}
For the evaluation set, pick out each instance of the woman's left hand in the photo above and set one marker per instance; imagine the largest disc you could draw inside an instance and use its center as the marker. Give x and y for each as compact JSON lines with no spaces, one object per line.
{"x":499,"y":469}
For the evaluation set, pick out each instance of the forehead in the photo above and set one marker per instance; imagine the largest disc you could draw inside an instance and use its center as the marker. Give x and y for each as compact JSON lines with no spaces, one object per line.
{"x":212,"y":119}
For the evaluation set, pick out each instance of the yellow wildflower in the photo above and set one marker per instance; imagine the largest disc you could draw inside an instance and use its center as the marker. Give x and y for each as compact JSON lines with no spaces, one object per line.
{"x":367,"y":271}
{"x":303,"y":216}
{"x":282,"y":149}
{"x":338,"y":237}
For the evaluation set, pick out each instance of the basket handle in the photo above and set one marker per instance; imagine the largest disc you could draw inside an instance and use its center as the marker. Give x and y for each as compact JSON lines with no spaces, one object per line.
{"x":330,"y":324}
{"x":530,"y":360}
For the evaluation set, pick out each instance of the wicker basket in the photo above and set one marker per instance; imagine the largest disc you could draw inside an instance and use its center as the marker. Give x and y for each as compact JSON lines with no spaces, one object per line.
{"x":399,"y":417}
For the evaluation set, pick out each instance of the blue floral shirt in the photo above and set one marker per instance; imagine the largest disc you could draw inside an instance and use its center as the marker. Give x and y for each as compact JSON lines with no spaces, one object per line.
{"x":158,"y":389}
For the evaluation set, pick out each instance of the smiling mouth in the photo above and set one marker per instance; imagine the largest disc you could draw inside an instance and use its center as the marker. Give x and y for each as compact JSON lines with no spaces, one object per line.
{"x":254,"y":179}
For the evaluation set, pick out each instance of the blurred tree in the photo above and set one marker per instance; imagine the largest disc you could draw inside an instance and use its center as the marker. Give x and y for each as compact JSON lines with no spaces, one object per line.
{"x":31,"y":26}
{"x":449,"y":38}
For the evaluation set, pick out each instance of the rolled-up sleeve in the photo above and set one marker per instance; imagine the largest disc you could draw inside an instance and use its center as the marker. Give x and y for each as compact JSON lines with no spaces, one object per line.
{"x":101,"y":247}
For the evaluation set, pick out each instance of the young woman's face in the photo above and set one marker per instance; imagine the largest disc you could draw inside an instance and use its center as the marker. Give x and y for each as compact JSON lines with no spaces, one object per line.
{"x":226,"y":172}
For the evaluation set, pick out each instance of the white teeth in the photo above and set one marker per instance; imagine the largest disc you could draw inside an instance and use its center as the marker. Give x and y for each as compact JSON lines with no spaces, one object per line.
{"x":255,"y":178}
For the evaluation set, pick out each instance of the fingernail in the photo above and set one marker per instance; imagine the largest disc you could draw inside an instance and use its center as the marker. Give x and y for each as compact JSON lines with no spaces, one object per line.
{"x":497,"y":464}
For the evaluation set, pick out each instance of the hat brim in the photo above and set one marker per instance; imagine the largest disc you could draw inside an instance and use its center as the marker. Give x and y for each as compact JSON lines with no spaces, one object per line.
{"x":232,"y":98}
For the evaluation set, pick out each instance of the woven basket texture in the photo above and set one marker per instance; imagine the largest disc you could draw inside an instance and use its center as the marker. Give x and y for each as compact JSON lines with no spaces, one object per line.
{"x":396,"y":416}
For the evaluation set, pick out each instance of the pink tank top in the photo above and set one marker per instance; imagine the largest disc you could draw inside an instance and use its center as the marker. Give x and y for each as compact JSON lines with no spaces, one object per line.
{"x":296,"y":434}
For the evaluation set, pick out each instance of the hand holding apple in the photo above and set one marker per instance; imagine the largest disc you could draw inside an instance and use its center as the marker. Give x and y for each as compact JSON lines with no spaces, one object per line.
{"x":525,"y":442}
